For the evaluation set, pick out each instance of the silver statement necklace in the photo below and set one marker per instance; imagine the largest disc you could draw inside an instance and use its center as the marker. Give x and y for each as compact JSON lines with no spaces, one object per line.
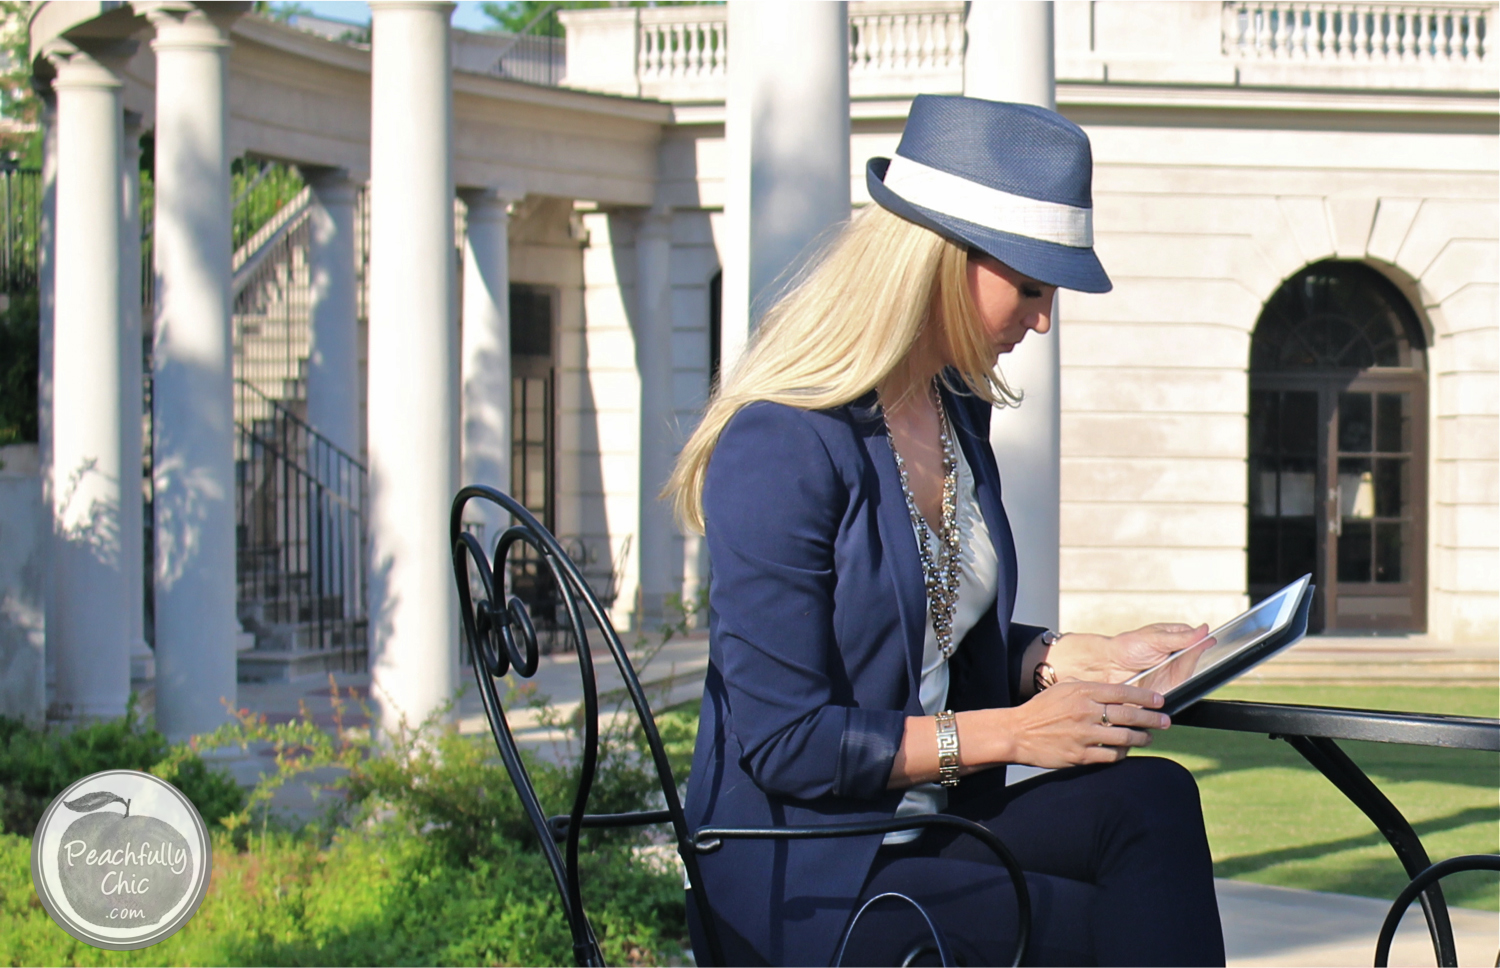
{"x":941,"y":572}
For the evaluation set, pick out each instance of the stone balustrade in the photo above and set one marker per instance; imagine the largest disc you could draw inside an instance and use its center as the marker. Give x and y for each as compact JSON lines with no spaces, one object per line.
{"x":899,"y":48}
{"x":1452,"y":33}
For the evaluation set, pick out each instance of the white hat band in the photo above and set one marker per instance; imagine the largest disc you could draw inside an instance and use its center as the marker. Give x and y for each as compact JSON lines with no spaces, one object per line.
{"x":957,"y":197}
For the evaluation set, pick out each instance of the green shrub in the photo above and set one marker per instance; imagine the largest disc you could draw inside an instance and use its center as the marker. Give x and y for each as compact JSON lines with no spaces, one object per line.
{"x":38,"y":764}
{"x":19,"y":364}
{"x":425,"y":855}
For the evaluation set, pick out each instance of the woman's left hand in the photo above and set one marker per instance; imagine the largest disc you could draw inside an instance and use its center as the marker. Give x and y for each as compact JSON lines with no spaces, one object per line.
{"x":1106,"y":658}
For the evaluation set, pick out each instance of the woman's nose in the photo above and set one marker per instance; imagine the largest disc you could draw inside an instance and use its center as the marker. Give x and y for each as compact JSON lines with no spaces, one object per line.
{"x":1041,"y":322}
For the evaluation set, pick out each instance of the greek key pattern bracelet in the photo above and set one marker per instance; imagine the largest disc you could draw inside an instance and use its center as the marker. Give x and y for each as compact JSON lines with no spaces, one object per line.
{"x":947,"y":743}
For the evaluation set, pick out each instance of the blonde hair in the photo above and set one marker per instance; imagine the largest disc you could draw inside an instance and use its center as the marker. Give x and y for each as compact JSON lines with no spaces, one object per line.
{"x":843,"y":325}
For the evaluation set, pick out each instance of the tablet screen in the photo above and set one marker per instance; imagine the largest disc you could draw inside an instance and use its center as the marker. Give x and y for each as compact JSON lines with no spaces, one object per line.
{"x":1226,"y":641}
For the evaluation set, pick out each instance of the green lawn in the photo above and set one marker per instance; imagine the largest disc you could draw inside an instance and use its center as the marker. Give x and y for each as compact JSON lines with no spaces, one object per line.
{"x":1272,"y":819}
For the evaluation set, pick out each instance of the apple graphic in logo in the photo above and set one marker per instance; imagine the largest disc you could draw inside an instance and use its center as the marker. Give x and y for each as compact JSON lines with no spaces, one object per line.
{"x":119,"y":870}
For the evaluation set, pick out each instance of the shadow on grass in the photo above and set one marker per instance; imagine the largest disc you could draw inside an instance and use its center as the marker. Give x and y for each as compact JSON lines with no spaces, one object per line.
{"x":1369,"y":876}
{"x":1383,"y":762}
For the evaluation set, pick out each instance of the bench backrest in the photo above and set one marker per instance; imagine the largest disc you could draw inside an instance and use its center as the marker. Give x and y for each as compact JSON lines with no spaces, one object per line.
{"x":502,"y":639}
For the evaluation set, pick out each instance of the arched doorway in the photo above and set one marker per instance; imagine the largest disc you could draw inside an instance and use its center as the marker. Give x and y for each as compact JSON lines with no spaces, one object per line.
{"x":1338,"y":448}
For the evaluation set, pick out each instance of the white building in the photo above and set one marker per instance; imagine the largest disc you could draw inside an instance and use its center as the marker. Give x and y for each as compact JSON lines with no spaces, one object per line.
{"x":1298,"y":368}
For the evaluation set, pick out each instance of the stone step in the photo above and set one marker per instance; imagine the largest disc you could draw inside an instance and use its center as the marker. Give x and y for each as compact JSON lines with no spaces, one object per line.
{"x":267,"y":665}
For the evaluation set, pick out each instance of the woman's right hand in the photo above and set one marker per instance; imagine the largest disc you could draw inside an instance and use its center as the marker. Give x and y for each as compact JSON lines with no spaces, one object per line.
{"x":1077,"y":723}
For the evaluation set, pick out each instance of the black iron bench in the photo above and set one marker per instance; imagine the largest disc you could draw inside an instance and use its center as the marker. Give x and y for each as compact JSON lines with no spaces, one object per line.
{"x":502,"y":639}
{"x":1313,"y":731}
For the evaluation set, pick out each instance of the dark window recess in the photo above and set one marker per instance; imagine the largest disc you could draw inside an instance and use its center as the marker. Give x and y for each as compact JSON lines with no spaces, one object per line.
{"x":715,"y":327}
{"x":531,"y":321}
{"x":533,"y":447}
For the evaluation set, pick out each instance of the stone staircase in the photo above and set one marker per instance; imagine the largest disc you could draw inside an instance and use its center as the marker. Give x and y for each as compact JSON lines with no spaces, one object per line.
{"x":300,"y":506}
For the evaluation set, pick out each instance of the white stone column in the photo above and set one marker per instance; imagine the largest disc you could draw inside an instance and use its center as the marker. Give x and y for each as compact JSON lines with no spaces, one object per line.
{"x":90,"y":640}
{"x":485,"y":367}
{"x":132,"y":497}
{"x":333,"y":360}
{"x":413,"y":368}
{"x":653,"y":354}
{"x":46,"y":299}
{"x":1010,"y":59}
{"x":787,"y":133}
{"x":192,"y":394}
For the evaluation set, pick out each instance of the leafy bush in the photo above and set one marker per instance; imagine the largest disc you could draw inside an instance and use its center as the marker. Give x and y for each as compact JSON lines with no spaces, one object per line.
{"x":19,"y":362}
{"x":424,"y":857}
{"x":37,"y":765}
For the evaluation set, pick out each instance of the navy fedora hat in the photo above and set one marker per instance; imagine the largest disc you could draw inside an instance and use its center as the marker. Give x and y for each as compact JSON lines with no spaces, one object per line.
{"x":1012,"y":180}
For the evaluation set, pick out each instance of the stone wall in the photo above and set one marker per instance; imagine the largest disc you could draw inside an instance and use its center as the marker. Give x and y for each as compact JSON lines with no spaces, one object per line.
{"x":1198,"y":225}
{"x":22,"y":616}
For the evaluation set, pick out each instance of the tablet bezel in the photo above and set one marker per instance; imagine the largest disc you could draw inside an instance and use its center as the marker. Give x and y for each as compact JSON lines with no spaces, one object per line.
{"x":1294,"y":597}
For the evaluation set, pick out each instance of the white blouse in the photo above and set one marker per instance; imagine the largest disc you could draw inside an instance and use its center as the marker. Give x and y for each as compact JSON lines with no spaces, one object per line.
{"x":978,"y":587}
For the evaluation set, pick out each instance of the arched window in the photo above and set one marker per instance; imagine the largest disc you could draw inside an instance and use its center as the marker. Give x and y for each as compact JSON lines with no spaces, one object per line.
{"x":1336,"y":316}
{"x":1338,"y":447}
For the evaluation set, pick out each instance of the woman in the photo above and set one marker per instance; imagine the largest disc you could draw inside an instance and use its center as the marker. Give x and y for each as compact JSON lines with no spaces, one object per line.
{"x":863,"y":580}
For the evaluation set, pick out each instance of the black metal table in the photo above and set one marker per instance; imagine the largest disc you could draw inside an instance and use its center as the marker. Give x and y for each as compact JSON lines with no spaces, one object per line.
{"x":1313,"y":732}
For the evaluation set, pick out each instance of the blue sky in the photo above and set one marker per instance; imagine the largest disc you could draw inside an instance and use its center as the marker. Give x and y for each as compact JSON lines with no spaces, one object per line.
{"x":468,"y":16}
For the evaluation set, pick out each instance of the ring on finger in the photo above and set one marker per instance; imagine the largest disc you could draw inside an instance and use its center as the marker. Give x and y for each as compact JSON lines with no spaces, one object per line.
{"x":1104,"y":716}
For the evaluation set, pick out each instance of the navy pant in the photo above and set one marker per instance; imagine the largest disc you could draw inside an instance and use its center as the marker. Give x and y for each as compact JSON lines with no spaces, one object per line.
{"x":1117,"y":862}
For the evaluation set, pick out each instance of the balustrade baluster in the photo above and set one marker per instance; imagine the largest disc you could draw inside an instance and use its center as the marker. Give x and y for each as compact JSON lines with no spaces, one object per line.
{"x":1361,"y":33}
{"x":1327,"y":42}
{"x":1465,"y":21}
{"x":1445,"y":28}
{"x":692,"y":51}
{"x":891,"y":42}
{"x":1298,"y":47}
{"x":1346,"y":41}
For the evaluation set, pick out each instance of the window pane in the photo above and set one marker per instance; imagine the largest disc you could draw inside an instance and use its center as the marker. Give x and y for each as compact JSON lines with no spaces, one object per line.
{"x":1388,"y":545}
{"x":1356,"y":488}
{"x":1354,"y":552}
{"x":1356,"y":422}
{"x":1263,"y":553}
{"x":1299,"y":423}
{"x":1264,"y":414}
{"x":1392,"y":430}
{"x":1262,"y":488}
{"x":1299,"y":548}
{"x":1390,"y":487}
{"x":1299,"y":485}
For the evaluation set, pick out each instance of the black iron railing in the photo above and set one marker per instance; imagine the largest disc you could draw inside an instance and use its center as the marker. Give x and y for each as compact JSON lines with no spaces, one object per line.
{"x":537,"y":53}
{"x":300,"y":533}
{"x":20,"y":228}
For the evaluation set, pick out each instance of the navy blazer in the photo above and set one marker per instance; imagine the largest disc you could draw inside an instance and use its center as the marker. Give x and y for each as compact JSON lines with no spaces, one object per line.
{"x":817,"y":616}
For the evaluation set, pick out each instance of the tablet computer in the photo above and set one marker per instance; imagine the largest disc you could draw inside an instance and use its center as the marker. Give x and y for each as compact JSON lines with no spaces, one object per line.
{"x":1232,"y":649}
